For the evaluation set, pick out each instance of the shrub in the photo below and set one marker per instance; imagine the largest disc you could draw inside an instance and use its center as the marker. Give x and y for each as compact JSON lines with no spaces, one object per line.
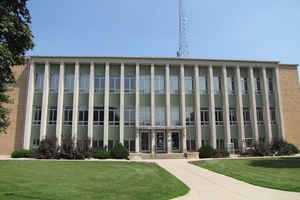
{"x":206,"y":151}
{"x":101,"y":154}
{"x":119,"y":152}
{"x":23,"y":153}
{"x":47,"y":149}
{"x":221,"y":153}
{"x":280,"y":148}
{"x":294,"y":149}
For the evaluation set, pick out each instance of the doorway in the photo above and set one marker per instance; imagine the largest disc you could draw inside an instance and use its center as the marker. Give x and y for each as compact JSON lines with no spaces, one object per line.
{"x":175,"y":142}
{"x":160,"y":142}
{"x":145,"y":142}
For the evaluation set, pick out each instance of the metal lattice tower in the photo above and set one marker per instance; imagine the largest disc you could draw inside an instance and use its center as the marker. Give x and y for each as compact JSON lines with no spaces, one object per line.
{"x":183,"y":50}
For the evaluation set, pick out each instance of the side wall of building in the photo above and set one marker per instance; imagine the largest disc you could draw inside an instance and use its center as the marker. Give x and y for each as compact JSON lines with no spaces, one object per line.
{"x":290,"y":94}
{"x":14,"y":137}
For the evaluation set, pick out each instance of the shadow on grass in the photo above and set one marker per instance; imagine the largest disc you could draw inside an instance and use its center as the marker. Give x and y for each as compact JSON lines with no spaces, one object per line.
{"x":13,"y":195}
{"x":277,"y":163}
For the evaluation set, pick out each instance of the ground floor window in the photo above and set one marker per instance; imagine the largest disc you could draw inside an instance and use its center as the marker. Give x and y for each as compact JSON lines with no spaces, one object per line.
{"x":191,"y":145}
{"x":98,"y":144}
{"x":129,"y":145}
{"x":204,"y":142}
{"x":220,"y":144}
{"x":235,"y":142}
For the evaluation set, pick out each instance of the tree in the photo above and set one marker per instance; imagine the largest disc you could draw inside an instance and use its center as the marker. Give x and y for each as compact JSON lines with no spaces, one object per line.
{"x":15,"y":39}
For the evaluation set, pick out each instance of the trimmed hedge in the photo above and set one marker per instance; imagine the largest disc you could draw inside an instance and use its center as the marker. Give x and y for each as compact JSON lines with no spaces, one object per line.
{"x":101,"y":154}
{"x":23,"y":153}
{"x":207,"y":151}
{"x":119,"y":152}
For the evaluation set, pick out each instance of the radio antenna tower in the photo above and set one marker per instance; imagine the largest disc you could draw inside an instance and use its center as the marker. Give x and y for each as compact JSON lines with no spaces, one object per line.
{"x":183,"y":50}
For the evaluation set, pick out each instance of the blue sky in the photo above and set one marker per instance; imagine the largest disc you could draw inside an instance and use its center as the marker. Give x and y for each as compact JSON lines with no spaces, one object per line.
{"x":231,"y":29}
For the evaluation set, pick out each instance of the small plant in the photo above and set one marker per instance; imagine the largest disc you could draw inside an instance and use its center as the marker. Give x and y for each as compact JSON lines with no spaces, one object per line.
{"x":119,"y":152}
{"x":221,"y":153}
{"x":294,"y":149}
{"x":206,"y":151}
{"x":47,"y":149}
{"x":101,"y":154}
{"x":23,"y":153}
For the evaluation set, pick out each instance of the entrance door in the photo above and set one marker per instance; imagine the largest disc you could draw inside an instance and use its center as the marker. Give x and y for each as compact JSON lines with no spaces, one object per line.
{"x":175,"y":142}
{"x":160,"y":142}
{"x":145,"y":142}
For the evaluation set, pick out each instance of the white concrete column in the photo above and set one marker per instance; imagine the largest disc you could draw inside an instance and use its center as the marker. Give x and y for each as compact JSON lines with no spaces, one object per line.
{"x":60,"y":103}
{"x":197,"y":107}
{"x":91,"y":103}
{"x":28,"y":108}
{"x":153,"y":134}
{"x":75,"y":104}
{"x":239,"y":106}
{"x":278,"y":102}
{"x":266,"y":106}
{"x":122,"y":77}
{"x":226,"y":107}
{"x":152,"y":108}
{"x":137,"y":107}
{"x":106,"y":106}
{"x":168,"y":108}
{"x":182,"y":108}
{"x":212,"y":116}
{"x":44,"y":119}
{"x":253,"y":112}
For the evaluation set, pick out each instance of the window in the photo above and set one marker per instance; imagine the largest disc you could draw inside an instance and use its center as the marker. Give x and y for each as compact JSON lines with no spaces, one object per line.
{"x":188,"y":84}
{"x":270,"y":85}
{"x":230,"y":86}
{"x":273,"y":115}
{"x":204,"y":116}
{"x":98,"y":116}
{"x":52,"y":114}
{"x":69,"y":83}
{"x":99,"y":83}
{"x":203,"y":85}
{"x":145,"y":116}
{"x":190,"y":116}
{"x":83,"y":117}
{"x":160,"y":116}
{"x":37,"y":115}
{"x":68,"y":118}
{"x":244,"y":86}
{"x":175,"y":118}
{"x":159,"y":84}
{"x":257,"y":85}
{"x":114,"y":116}
{"x":145,"y":84}
{"x":191,"y":145}
{"x":114,"y":84}
{"x":204,"y":142}
{"x":174,"y":84}
{"x":246,"y":116}
{"x":217,"y":85}
{"x":98,"y":144}
{"x":220,"y":144}
{"x":219,"y":116}
{"x":232,"y":116}
{"x":84,"y":83}
{"x":129,"y":84}
{"x":39,"y":82}
{"x":129,"y":116}
{"x":235,"y":142}
{"x":260,"y":118}
{"x":54,"y":80}
{"x":129,"y":145}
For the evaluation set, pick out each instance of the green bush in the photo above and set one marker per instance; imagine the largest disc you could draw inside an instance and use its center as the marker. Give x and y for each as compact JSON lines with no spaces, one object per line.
{"x":206,"y":151}
{"x":221,"y":153}
{"x":119,"y":152}
{"x":293,"y":148}
{"x":101,"y":154}
{"x":23,"y":153}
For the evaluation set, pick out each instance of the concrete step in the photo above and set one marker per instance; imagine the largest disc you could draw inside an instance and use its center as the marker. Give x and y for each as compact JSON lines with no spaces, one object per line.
{"x":142,"y":156}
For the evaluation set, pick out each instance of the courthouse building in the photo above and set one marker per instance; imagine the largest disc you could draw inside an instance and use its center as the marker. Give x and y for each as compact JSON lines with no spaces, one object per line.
{"x":153,"y":105}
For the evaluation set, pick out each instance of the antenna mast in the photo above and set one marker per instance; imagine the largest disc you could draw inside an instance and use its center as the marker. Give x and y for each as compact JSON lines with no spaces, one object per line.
{"x":183,"y":24}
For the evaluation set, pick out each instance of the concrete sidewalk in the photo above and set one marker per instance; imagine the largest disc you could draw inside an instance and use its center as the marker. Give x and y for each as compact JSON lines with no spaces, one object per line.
{"x":208,"y":185}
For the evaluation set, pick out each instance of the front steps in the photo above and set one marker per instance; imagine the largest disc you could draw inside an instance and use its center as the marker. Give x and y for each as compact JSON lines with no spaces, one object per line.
{"x":143,"y":156}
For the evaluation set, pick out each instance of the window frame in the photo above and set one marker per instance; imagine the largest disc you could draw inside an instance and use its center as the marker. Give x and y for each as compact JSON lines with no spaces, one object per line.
{"x":54,"y":83}
{"x":100,"y":79}
{"x":188,"y":84}
{"x":115,"y":87}
{"x":131,"y":116}
{"x":37,"y":111}
{"x":174,"y":81}
{"x":52,"y":115}
{"x":204,"y":115}
{"x":159,"y":84}
{"x":145,"y":116}
{"x":219,"y":116}
{"x":68,"y":113}
{"x":232,"y":116}
{"x":131,"y":84}
{"x":69,"y":83}
{"x":98,"y":111}
{"x":203,"y":79}
{"x":189,"y":121}
{"x":246,"y":116}
{"x":145,"y":81}
{"x":160,"y":116}
{"x":114,"y":117}
{"x":84,"y":113}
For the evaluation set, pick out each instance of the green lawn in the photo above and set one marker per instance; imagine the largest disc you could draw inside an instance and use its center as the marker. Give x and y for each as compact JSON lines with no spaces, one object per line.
{"x":276,"y":173}
{"x":57,"y":180}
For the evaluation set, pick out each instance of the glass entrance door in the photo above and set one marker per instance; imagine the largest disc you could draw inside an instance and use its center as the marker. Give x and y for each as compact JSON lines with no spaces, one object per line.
{"x":145,"y":147}
{"x":160,"y":142}
{"x":175,"y":142}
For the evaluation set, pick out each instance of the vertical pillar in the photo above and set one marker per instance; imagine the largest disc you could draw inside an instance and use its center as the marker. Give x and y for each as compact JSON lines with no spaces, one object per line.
{"x":137,"y":107}
{"x":122,"y":104}
{"x":226,"y":107}
{"x":91,"y":103}
{"x":253,"y":112}
{"x":106,"y":106}
{"x":44,"y":118}
{"x":29,"y":104}
{"x":212,"y":116}
{"x":75,"y":104}
{"x":60,"y":103}
{"x":239,"y":101}
{"x":266,"y":106}
{"x":197,"y":107}
{"x":168,"y":108}
{"x":278,"y":102}
{"x":152,"y":108}
{"x":182,"y":108}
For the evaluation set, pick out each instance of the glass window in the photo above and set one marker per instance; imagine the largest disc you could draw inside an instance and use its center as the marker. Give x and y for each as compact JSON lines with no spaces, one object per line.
{"x":39,"y":82}
{"x":83,"y":116}
{"x":114,"y":116}
{"x":69,"y":83}
{"x":217,"y":85}
{"x":273,"y":115}
{"x":260,"y":116}
{"x":230,"y":85}
{"x":54,"y":80}
{"x":129,"y":145}
{"x":220,"y":144}
{"x":235,"y":142}
{"x":145,"y":84}
{"x":203,"y":85}
{"x":244,"y":86}
{"x":98,"y":144}
{"x":174,"y":84}
{"x":270,"y":85}
{"x":175,"y":118}
{"x":129,"y":84}
{"x":129,"y":116}
{"x":257,"y":85}
{"x":159,"y":84}
{"x":219,"y":116}
{"x":37,"y":115}
{"x":232,"y":116}
{"x":160,"y":116}
{"x":190,"y":116}
{"x":98,"y":116}
{"x":188,"y":84}
{"x":145,"y":116}
{"x":204,"y":116}
{"x":68,"y":115}
{"x":84,"y":83}
{"x":52,"y":114}
{"x":99,"y":83}
{"x":246,"y":116}
{"x":114,"y":84}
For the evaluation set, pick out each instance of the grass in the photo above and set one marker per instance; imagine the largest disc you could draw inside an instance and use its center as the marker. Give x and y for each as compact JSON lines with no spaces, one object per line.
{"x":275,"y":173}
{"x":57,"y":180}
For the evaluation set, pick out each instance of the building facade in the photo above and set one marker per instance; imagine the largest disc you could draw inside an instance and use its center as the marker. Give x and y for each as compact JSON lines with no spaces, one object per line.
{"x":156,"y":105}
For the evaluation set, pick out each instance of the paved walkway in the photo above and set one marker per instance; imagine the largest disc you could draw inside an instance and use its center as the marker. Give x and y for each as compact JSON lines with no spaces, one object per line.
{"x":208,"y":185}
